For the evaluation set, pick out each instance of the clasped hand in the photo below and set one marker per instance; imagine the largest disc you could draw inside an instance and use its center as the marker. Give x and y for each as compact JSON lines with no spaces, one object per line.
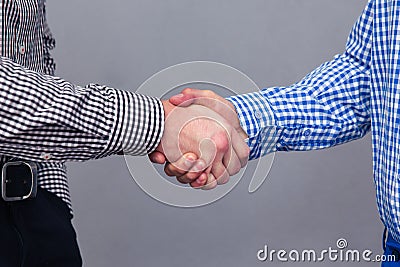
{"x":203,"y":143}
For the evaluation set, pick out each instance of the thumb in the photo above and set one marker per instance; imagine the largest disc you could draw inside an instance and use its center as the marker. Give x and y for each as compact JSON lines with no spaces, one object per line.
{"x":157,"y":157}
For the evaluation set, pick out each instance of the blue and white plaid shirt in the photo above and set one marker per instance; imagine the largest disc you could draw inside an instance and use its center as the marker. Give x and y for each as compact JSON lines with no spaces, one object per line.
{"x":341,"y":101}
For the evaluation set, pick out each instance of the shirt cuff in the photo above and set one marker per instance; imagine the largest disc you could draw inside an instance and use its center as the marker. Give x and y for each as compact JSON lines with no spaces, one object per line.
{"x":139,"y":123}
{"x":258,"y":121}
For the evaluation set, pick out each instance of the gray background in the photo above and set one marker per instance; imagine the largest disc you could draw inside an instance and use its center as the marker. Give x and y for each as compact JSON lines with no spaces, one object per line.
{"x":310,"y":198}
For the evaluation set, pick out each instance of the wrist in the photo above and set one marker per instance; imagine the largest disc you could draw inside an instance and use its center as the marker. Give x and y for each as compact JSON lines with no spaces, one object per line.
{"x":167,"y":108}
{"x":236,"y":123}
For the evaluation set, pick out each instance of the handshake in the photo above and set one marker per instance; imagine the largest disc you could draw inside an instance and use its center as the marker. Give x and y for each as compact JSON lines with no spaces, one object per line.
{"x":203,"y":143}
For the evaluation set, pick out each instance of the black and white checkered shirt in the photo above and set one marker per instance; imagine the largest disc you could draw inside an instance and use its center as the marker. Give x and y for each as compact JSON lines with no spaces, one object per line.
{"x":50,"y":120}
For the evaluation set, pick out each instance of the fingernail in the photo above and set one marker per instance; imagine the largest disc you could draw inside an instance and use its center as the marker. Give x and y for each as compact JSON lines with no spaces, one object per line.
{"x":190,"y":157}
{"x":189,"y":162}
{"x":178,"y":95}
{"x":199,"y":166}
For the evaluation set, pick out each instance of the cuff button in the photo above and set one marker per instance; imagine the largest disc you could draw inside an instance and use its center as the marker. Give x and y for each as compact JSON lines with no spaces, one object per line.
{"x":258,"y":115}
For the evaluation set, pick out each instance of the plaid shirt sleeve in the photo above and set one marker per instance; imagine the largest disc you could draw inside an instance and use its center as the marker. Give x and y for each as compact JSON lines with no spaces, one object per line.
{"x":44,"y":118}
{"x":330,"y":106}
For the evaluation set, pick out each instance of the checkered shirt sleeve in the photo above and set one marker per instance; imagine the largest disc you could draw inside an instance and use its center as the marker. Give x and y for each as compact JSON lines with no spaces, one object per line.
{"x":330,"y":106}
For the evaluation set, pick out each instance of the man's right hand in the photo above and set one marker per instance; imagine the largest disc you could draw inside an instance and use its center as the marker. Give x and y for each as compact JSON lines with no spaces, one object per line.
{"x":211,"y":100}
{"x":200,"y":130}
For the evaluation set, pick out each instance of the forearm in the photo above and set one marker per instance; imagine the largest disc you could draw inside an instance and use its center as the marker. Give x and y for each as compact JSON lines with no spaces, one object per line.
{"x":329,"y":106}
{"x":47,"y":118}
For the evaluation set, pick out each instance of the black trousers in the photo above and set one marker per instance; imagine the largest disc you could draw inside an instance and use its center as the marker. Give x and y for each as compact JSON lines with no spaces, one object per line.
{"x":37,"y":233}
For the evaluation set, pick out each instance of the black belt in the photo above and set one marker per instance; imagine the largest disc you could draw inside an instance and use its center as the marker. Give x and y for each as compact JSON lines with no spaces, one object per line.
{"x":18,"y":180}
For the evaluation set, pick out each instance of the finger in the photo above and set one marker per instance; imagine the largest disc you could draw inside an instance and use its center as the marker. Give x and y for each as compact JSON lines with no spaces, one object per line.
{"x":181,"y":166}
{"x":231,"y":162}
{"x":218,"y":169}
{"x":170,"y":170}
{"x":188,"y":97}
{"x":205,"y":98}
{"x":196,"y":93}
{"x":194,"y":173}
{"x":182,"y":100}
{"x":223,"y":179}
{"x":213,"y":151}
{"x":220,"y":173}
{"x":157,"y":157}
{"x":211,"y":182}
{"x":200,"y":182}
{"x":208,"y":150}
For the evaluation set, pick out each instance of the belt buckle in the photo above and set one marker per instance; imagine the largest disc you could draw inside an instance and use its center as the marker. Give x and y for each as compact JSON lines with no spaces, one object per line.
{"x":18,"y":181}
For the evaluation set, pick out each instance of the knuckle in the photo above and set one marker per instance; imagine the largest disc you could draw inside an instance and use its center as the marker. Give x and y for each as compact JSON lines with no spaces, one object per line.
{"x":218,"y":170}
{"x":244,"y":163}
{"x":221,"y":142}
{"x":223,"y":179}
{"x":235,"y":169}
{"x":209,"y":93}
{"x":213,"y":185}
{"x":186,"y":90}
